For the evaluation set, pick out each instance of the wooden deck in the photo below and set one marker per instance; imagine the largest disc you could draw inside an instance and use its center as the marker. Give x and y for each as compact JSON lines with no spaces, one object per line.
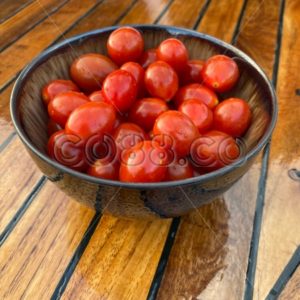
{"x":244,"y":245}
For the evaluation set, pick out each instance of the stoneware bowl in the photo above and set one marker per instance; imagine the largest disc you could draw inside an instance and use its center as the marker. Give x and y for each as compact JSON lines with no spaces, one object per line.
{"x":162,"y":199}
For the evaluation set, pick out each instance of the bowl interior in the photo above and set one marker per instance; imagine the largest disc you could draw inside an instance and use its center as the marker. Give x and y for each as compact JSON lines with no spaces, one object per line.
{"x":54,"y":64}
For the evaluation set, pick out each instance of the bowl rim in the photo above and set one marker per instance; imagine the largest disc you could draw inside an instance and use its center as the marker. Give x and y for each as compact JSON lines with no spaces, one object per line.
{"x":20,"y":81}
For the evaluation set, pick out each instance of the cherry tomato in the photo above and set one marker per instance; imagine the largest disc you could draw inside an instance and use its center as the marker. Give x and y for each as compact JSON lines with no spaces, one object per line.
{"x":120,"y":89}
{"x":199,"y":113}
{"x":196,"y":91}
{"x":148,"y":57}
{"x":52,"y":127}
{"x":91,"y":119}
{"x":89,"y":70}
{"x":128,"y":135}
{"x":138,"y":73}
{"x":173,"y":52}
{"x":220,"y":73}
{"x":179,"y":130}
{"x":214,"y":150}
{"x":161,"y":80}
{"x":104,"y":169}
{"x":68,"y":150}
{"x":97,"y":96}
{"x":145,"y":111}
{"x":191,"y":73}
{"x":145,"y":162}
{"x":125,"y":44}
{"x":179,"y":169}
{"x":56,"y":87}
{"x":63,"y":104}
{"x":232,"y":116}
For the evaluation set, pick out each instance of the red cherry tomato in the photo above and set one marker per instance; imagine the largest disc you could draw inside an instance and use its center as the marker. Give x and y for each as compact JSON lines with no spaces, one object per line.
{"x":89,"y":70}
{"x":120,"y":89}
{"x":56,"y":87}
{"x":104,"y":169}
{"x":52,"y":127}
{"x":161,"y":80}
{"x":199,"y":113}
{"x":145,"y":162}
{"x":179,"y":169}
{"x":220,"y":73}
{"x":191,"y":73}
{"x":145,"y":111}
{"x":63,"y":104}
{"x":91,"y":119}
{"x":138,"y":73}
{"x":148,"y":57}
{"x":125,"y":44}
{"x":232,"y":116}
{"x":173,"y":52}
{"x":214,"y":150}
{"x":177,"y":129}
{"x":97,"y":96}
{"x":68,"y":150}
{"x":128,"y":135}
{"x":196,"y":91}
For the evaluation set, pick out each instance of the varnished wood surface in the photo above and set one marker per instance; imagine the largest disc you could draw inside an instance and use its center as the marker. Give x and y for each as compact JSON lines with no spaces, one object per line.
{"x":291,"y":290}
{"x":52,"y":246}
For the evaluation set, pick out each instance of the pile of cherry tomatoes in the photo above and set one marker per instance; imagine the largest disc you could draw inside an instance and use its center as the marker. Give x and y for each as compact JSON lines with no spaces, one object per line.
{"x":141,"y":115}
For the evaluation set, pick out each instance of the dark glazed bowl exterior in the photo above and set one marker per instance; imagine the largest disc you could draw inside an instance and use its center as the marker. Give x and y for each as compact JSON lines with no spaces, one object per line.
{"x":163,"y":199}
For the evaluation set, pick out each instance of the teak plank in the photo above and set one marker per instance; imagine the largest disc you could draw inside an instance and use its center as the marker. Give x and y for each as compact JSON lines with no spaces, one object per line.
{"x":280,"y":233}
{"x":9,"y":8}
{"x":212,"y":260}
{"x":18,"y":176}
{"x":15,"y":57}
{"x":292,"y":289}
{"x":120,"y":260}
{"x":17,"y":25}
{"x":35,"y":255}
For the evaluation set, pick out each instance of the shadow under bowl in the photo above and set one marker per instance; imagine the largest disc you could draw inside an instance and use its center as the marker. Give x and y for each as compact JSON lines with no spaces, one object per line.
{"x":163,"y":199}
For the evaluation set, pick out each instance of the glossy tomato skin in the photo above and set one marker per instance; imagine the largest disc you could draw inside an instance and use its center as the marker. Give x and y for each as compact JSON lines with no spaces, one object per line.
{"x":191,"y":73}
{"x":161,"y":80}
{"x":214,"y":150}
{"x":68,"y":150}
{"x":177,"y":130}
{"x":63,"y":104}
{"x":144,"y":112}
{"x":52,"y":127}
{"x":232,"y":116}
{"x":125,"y":44}
{"x":199,"y":113}
{"x":220,"y":73}
{"x":91,"y":119}
{"x":128,"y":135}
{"x":97,"y":96}
{"x":196,"y":91}
{"x":173,"y":52}
{"x":103,"y":169}
{"x":148,"y":57}
{"x":179,"y":169}
{"x":137,"y":71}
{"x":120,"y":89}
{"x":145,"y":162}
{"x":89,"y":71}
{"x":55,"y":87}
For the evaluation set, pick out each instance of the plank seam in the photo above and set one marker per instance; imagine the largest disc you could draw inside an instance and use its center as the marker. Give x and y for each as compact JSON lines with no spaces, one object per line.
{"x":202,"y":13}
{"x":162,"y":13}
{"x":127,"y":10}
{"x":16,"y":11}
{"x":7,"y":141}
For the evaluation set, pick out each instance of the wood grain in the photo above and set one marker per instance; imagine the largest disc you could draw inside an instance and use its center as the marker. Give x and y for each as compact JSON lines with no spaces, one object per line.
{"x":15,"y":165}
{"x":210,"y":253}
{"x":36,"y":253}
{"x":280,"y":233}
{"x":25,"y":19}
{"x":291,"y":290}
{"x":8,"y":8}
{"x":15,"y":57}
